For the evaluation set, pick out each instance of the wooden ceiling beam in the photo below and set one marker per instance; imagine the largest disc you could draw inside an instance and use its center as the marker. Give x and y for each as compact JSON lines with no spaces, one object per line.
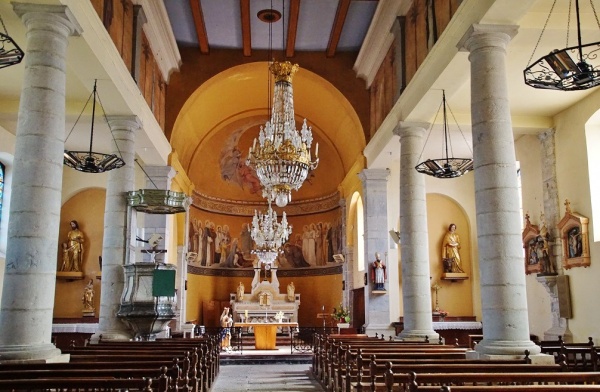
{"x":290,"y":46}
{"x":246,"y":31}
{"x":338,"y":26}
{"x":200,"y":27}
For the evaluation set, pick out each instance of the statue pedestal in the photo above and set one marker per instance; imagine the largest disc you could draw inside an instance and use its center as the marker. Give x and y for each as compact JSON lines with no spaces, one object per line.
{"x":148,"y":302}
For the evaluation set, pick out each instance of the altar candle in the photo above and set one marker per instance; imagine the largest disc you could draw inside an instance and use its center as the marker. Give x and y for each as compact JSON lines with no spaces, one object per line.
{"x":246,"y":313}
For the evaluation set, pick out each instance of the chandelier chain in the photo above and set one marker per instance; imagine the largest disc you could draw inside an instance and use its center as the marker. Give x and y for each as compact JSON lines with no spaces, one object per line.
{"x":595,"y":14}
{"x":542,"y":33}
{"x":569,"y":23}
{"x":3,"y":26}
{"x":111,"y":133}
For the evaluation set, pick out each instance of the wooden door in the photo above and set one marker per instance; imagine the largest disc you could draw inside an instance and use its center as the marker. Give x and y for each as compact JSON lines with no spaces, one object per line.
{"x":358,"y":308}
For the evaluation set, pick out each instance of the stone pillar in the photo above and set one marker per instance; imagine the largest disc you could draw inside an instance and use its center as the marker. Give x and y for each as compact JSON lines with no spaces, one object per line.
{"x":32,"y":246}
{"x":114,"y":244}
{"x":414,"y":252}
{"x":552,"y":215}
{"x":503,"y":296}
{"x":377,"y":306}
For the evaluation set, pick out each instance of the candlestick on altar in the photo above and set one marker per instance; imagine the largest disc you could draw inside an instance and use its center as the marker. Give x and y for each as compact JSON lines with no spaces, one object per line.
{"x":436,"y":287}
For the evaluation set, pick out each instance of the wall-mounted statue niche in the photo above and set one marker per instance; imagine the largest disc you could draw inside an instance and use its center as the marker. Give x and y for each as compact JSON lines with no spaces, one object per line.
{"x":573,"y":229}
{"x":530,"y":236}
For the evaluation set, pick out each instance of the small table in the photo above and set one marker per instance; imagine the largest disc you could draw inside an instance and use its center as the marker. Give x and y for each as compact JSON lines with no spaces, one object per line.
{"x":265,"y":333}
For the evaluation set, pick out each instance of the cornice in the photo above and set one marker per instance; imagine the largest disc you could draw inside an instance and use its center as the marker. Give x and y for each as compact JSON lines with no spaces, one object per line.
{"x":379,"y":38}
{"x":247,"y":208}
{"x":160,"y":35}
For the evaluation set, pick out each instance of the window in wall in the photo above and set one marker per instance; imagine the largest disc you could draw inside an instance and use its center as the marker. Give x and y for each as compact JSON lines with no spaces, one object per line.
{"x":1,"y":187}
{"x":360,"y":235}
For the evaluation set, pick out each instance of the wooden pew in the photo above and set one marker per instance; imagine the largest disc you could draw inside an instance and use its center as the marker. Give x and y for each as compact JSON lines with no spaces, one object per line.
{"x":433,"y":381}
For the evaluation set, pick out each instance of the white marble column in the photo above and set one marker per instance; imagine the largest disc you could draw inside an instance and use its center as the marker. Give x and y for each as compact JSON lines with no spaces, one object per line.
{"x":377,"y":306}
{"x":414,"y":249}
{"x":114,"y":244}
{"x":503,"y":289}
{"x":30,"y":274}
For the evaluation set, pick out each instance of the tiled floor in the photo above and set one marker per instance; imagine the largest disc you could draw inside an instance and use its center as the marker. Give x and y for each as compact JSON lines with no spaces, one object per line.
{"x":265,"y":377}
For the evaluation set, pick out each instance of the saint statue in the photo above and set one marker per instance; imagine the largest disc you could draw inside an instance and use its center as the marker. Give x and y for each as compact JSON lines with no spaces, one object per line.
{"x":72,"y":259}
{"x":378,"y":273}
{"x":88,"y":297}
{"x":450,"y":247}
{"x":290,"y":291}
{"x":240,"y":291}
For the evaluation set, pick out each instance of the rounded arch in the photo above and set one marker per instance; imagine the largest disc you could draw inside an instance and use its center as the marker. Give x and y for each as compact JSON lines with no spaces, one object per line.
{"x":443,"y":210}
{"x":355,"y":234}
{"x":238,"y":98}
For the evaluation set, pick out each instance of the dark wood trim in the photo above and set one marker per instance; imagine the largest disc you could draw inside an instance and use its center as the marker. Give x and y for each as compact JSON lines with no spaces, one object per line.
{"x":338,"y":26}
{"x":246,"y":31}
{"x":200,"y":27}
{"x":290,"y":45}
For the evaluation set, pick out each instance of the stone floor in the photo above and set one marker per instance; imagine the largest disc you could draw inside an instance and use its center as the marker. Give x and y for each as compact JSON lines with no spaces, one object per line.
{"x":266,"y":377}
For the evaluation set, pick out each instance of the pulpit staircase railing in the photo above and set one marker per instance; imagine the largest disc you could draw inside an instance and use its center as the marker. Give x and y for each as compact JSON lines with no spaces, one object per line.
{"x":302,"y":338}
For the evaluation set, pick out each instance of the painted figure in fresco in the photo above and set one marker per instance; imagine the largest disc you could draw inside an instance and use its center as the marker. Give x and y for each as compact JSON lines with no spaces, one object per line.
{"x":246,"y":240}
{"x":311,"y":251}
{"x":218,"y":239}
{"x":330,"y":246}
{"x":293,"y":255}
{"x":378,"y":274}
{"x":450,"y":247}
{"x":73,"y":250}
{"x":319,"y":244}
{"x":305,"y":235}
{"x":233,"y":165}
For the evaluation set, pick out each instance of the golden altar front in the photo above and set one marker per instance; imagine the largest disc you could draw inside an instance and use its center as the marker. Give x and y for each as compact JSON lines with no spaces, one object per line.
{"x":265,"y":334}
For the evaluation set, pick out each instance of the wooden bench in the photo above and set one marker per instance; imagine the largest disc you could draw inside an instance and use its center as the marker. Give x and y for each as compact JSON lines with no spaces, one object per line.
{"x":433,"y":381}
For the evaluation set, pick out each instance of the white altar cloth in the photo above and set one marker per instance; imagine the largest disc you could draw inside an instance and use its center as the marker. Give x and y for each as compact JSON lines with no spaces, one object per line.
{"x":75,"y":328}
{"x":441,"y":325}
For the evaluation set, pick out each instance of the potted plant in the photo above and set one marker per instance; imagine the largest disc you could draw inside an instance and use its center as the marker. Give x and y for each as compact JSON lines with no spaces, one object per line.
{"x":341,"y":315}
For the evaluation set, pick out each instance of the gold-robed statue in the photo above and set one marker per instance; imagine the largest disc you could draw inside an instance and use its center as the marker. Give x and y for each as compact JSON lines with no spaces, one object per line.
{"x":72,"y":259}
{"x":450,"y":248}
{"x":88,"y":299}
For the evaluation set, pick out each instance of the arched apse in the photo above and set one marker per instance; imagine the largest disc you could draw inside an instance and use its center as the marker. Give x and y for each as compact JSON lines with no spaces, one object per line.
{"x":218,"y":122}
{"x":356,"y":227}
{"x":454,"y":297}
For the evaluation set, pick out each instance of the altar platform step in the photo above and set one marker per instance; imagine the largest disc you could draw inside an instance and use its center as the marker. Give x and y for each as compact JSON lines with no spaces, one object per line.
{"x":251,"y":356}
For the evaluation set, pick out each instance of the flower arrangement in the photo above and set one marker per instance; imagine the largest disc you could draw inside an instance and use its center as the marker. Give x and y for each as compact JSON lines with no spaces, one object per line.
{"x":442,"y":313}
{"x":341,"y":313}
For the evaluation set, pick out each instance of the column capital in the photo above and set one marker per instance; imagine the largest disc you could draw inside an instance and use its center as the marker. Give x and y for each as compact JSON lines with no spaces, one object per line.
{"x":367,"y":175}
{"x":409,"y":128}
{"x":479,"y":36}
{"x":53,"y":15}
{"x":547,"y":134}
{"x":130,"y":123}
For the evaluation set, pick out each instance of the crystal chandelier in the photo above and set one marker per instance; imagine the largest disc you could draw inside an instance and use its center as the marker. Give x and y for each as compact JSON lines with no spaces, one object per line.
{"x":282,"y":157}
{"x":269,"y":235}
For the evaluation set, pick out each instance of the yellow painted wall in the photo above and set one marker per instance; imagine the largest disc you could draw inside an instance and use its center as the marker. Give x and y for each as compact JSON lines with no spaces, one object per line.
{"x":453,"y":297}
{"x":315,"y":292}
{"x":87,"y":208}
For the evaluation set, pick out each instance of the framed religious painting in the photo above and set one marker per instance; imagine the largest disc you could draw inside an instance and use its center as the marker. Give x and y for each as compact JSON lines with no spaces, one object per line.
{"x":531,"y":235}
{"x":573,"y":229}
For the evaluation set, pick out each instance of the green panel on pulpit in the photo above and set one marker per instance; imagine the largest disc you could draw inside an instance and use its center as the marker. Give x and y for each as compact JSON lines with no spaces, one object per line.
{"x":163,"y":283}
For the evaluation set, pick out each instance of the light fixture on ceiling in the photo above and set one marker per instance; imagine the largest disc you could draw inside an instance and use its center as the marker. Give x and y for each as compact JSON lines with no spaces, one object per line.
{"x":281,"y":154}
{"x":269,"y":235}
{"x":447,"y":166}
{"x":90,"y":161}
{"x":10,"y":52}
{"x":558,"y":70}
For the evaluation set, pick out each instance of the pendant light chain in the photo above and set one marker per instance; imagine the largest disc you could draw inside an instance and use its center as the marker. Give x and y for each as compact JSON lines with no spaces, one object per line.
{"x":541,"y":34}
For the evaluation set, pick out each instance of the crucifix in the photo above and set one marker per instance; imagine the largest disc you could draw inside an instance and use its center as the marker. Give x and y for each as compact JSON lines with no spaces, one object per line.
{"x":436,"y":287}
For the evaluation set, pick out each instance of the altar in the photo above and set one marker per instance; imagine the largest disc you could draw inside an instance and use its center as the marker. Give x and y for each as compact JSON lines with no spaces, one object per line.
{"x":265,"y":334}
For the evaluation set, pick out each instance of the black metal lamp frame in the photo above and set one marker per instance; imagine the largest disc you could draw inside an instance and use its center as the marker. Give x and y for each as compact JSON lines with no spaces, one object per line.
{"x":91,"y":161}
{"x":447,"y":166}
{"x":10,"y":52}
{"x":559,"y":71}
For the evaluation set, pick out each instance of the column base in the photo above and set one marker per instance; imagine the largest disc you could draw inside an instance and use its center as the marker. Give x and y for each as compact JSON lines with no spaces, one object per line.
{"x":384,"y":330}
{"x":419,"y":334}
{"x":507,"y":347}
{"x":537,"y":359}
{"x":113,"y":335}
{"x":42,"y":352}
